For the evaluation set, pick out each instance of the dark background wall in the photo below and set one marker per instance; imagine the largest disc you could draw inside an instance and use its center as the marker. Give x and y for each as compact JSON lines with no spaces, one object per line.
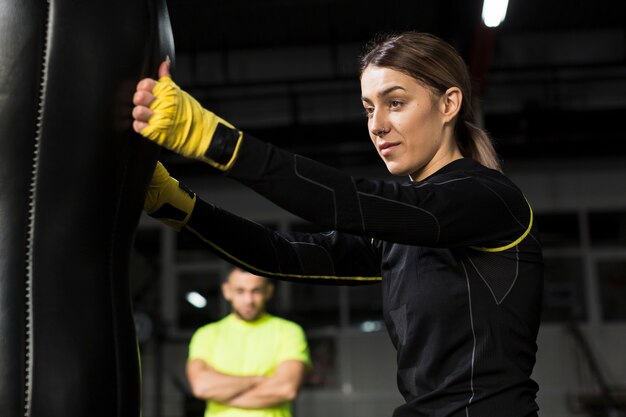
{"x":552,"y":86}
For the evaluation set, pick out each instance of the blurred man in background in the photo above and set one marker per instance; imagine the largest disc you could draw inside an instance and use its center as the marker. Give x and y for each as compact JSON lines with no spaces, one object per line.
{"x":250,"y":363}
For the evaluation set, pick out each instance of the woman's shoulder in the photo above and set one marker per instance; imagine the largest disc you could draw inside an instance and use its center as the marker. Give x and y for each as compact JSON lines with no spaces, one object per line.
{"x":467,"y":168}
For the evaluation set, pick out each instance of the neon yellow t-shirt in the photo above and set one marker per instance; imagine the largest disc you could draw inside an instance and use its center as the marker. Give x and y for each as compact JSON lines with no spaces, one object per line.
{"x":236,"y":347}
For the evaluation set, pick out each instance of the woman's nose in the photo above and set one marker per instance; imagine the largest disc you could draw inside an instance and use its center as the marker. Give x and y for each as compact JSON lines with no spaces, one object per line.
{"x":378,"y":124}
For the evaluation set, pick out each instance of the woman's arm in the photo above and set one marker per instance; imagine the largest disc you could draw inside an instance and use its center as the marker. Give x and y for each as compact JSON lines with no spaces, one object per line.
{"x":471,"y":206}
{"x":464,"y":204}
{"x":324,"y":258}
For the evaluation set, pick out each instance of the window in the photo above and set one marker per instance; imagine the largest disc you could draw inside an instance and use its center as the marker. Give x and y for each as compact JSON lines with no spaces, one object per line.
{"x":607,"y":228}
{"x":366,"y":308}
{"x":612,"y":289}
{"x":323,"y":356}
{"x":564,"y":296}
{"x":315,"y":306}
{"x":558,"y":229}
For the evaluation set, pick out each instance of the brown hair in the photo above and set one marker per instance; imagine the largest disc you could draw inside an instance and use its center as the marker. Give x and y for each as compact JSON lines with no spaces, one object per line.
{"x":232,"y":269}
{"x":436,"y":65}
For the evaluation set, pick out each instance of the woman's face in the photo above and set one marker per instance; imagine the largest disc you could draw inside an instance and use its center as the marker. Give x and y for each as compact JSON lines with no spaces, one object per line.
{"x":409,"y":126}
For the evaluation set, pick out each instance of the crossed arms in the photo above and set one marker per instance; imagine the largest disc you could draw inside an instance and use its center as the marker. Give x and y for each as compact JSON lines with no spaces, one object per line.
{"x":251,"y":392}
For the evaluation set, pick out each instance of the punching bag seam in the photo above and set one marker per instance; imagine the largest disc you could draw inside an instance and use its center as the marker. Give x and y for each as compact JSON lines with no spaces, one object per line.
{"x":28,"y":354}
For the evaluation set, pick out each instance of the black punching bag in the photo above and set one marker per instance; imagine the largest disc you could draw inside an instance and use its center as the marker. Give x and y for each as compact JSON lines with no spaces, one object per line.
{"x":73,"y":177}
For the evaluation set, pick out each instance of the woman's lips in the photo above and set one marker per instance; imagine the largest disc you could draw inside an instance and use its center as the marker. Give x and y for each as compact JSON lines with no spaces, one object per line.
{"x":387,"y":148}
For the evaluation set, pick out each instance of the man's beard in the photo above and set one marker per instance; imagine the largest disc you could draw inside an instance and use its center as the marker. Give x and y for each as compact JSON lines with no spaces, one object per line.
{"x":253,"y":317}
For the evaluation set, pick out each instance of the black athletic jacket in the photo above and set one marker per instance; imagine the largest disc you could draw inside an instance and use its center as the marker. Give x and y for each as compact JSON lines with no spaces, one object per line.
{"x":457,"y":253}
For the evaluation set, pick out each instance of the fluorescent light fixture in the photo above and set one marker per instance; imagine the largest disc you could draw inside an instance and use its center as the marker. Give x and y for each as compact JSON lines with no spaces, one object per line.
{"x":196,"y":299}
{"x":371,"y":326}
{"x":494,"y":12}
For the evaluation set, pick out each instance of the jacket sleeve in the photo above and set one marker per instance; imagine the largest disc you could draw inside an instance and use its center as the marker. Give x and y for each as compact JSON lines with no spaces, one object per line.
{"x":468,"y":207}
{"x":332,"y":258}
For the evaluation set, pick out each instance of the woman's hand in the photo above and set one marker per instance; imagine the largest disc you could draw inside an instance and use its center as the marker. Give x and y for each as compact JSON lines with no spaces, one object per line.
{"x":167,"y":115}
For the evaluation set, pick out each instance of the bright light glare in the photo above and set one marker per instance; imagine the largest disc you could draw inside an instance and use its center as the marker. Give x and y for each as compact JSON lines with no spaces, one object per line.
{"x":494,"y":12}
{"x":371,"y":326}
{"x":196,"y":299}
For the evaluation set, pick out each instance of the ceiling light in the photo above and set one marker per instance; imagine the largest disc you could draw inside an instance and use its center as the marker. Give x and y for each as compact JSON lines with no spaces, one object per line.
{"x":494,"y":12}
{"x":196,"y":299}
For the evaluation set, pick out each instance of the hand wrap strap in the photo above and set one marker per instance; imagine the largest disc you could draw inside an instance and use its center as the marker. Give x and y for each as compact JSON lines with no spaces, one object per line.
{"x":167,"y":200}
{"x":182,"y":125}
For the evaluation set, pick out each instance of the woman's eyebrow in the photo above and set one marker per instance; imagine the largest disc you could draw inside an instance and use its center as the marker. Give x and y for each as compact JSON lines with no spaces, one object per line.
{"x":385,"y":92}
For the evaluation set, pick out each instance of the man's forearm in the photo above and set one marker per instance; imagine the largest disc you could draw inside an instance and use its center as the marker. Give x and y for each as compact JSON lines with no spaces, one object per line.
{"x":281,"y":387}
{"x":210,"y":385}
{"x":272,"y":391}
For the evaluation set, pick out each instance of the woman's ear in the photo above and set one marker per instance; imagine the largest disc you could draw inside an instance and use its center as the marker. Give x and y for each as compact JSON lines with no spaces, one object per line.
{"x":450,"y":103}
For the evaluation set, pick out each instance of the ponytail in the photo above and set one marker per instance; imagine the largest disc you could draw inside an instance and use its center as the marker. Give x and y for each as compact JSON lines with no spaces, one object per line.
{"x":475,"y":143}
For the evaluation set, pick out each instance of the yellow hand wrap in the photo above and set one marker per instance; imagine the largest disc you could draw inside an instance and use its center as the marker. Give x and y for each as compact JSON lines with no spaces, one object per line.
{"x":182,"y":125}
{"x":167,"y":201}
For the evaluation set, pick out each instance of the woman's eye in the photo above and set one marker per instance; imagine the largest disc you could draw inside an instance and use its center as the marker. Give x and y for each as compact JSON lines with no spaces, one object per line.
{"x":394,"y":104}
{"x":368,"y":111}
